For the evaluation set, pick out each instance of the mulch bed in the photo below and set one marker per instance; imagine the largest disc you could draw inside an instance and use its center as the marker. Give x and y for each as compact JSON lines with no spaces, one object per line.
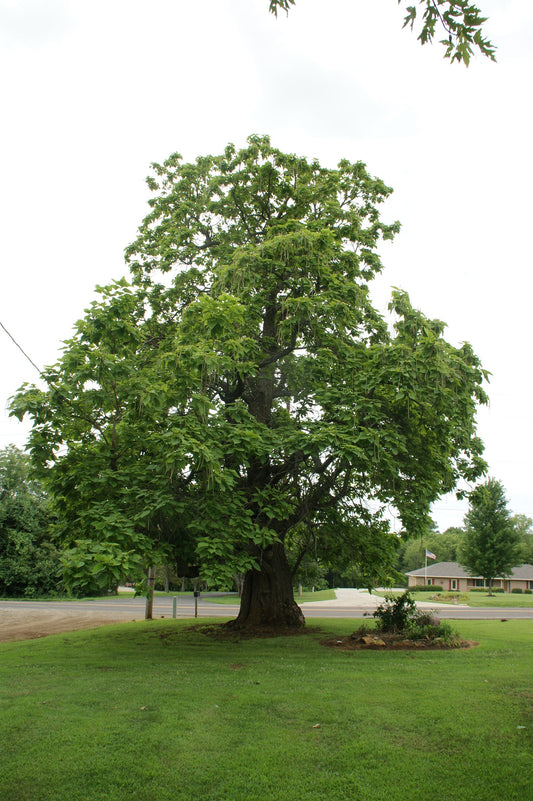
{"x":380,"y":641}
{"x":358,"y":641}
{"x":224,"y":632}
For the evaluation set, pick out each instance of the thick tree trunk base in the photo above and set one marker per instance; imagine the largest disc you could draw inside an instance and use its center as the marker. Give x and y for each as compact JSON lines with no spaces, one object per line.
{"x":267,"y":598}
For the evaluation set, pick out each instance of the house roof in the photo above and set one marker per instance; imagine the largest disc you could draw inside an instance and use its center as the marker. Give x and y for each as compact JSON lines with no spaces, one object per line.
{"x":454,"y":570}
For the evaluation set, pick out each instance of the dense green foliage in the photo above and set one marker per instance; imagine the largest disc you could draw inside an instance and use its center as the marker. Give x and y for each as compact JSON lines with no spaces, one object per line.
{"x":491,"y":544}
{"x":460,"y":21}
{"x":523,"y":526}
{"x":400,"y":615}
{"x":241,"y":400}
{"x":29,"y":562}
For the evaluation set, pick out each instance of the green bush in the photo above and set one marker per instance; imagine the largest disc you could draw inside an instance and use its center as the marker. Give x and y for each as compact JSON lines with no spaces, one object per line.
{"x":486,"y":589}
{"x":400,"y":616}
{"x":427,"y":627}
{"x":395,"y":613}
{"x":517,"y":590}
{"x":528,"y":592}
{"x":426,"y":588}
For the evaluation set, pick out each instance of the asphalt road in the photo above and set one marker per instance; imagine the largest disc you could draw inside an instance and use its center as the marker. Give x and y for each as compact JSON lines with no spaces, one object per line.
{"x":133,"y":609}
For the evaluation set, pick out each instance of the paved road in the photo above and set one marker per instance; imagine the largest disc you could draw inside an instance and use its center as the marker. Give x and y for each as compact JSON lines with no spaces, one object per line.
{"x":349,"y":603}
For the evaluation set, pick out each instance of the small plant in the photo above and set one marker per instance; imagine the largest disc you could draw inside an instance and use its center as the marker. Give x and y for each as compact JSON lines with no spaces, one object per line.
{"x":429,"y":627}
{"x":517,"y":590}
{"x":394,"y":614}
{"x":528,"y":592}
{"x":400,"y":616}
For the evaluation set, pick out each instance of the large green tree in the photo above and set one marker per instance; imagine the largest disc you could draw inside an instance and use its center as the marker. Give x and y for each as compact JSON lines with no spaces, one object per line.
{"x":242,"y":400}
{"x":491,"y":543}
{"x":459,"y":21}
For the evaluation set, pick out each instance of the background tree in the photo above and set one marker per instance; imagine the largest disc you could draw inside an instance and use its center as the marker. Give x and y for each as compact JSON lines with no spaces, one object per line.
{"x":29,"y":562}
{"x":491,"y":542}
{"x":460,"y":21}
{"x":243,"y":400}
{"x":523,"y":525}
{"x":445,"y":546}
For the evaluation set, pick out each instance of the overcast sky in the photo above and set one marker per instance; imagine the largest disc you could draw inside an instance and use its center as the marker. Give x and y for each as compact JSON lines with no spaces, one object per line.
{"x":94,"y":91}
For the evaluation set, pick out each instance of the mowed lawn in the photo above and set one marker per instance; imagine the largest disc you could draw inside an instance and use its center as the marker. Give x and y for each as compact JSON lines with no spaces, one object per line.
{"x":505,"y":600}
{"x":156,"y":711}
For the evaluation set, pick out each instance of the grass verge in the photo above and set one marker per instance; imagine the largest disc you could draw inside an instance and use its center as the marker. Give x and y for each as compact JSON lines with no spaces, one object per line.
{"x":505,"y":600}
{"x":158,"y":710}
{"x":304,"y":598}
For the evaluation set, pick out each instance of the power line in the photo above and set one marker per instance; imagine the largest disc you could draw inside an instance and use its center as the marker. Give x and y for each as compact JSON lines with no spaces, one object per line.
{"x":12,"y":338}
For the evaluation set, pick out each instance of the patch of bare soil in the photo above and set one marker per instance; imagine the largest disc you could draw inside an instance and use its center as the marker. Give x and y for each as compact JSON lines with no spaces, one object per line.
{"x":224,"y":632}
{"x":380,"y":641}
{"x":30,"y":624}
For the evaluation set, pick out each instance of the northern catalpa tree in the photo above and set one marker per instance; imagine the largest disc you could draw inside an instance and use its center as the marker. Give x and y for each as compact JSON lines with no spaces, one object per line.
{"x":240,"y":401}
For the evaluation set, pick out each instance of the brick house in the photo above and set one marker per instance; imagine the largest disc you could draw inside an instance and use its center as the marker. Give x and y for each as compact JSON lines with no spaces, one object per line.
{"x":451,"y":576}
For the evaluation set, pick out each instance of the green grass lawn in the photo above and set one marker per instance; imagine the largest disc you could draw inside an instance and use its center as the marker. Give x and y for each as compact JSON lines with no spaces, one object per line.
{"x":504,"y":599}
{"x":154,"y":711}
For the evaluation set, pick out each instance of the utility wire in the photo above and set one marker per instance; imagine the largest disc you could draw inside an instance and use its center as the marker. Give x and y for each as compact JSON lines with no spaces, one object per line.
{"x":12,"y":338}
{"x":50,"y":384}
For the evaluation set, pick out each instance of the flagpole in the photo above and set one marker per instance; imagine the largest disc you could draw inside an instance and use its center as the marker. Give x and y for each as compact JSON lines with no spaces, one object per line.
{"x":426,"y":568}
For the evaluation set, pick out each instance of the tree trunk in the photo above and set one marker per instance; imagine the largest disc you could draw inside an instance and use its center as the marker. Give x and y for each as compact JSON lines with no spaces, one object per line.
{"x":490,"y":587}
{"x":267,"y":596}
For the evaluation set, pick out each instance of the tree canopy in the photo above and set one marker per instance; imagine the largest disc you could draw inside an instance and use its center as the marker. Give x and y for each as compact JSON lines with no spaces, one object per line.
{"x":491,"y":543}
{"x":460,"y":21}
{"x":241,"y":401}
{"x":523,"y":525}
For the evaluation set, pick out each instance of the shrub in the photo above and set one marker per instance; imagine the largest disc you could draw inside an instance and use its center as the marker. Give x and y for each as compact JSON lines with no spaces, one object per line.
{"x":428,"y":627}
{"x":426,"y":588}
{"x":528,"y":592}
{"x":400,"y":616}
{"x":517,"y":590}
{"x":395,"y":613}
{"x":498,"y":589}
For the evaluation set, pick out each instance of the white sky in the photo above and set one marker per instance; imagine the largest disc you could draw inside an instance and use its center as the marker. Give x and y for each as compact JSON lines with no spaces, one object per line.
{"x":93,"y":91}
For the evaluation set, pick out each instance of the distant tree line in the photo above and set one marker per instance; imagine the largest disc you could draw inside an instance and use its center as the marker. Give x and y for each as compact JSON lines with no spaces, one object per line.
{"x":29,"y":561}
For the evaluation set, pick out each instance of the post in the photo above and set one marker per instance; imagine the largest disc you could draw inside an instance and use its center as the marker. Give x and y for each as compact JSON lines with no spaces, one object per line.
{"x":150,"y":593}
{"x":174,"y":605}
{"x":426,"y":569}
